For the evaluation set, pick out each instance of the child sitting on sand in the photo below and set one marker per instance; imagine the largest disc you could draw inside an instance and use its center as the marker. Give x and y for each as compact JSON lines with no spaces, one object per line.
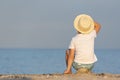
{"x":81,"y":54}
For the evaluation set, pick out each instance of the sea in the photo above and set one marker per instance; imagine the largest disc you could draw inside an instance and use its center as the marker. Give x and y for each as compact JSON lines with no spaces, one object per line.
{"x":49,"y":61}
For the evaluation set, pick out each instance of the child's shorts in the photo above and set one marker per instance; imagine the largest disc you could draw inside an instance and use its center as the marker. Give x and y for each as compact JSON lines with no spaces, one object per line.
{"x":78,"y":66}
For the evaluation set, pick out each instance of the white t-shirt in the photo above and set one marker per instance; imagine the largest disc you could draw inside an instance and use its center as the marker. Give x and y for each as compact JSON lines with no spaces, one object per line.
{"x":84,"y":48}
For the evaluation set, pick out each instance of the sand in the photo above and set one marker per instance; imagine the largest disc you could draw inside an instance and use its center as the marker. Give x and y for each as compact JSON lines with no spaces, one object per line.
{"x":91,"y":76}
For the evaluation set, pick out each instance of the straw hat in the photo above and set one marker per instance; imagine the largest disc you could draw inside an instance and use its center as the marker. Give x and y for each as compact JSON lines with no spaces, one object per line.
{"x":84,"y":23}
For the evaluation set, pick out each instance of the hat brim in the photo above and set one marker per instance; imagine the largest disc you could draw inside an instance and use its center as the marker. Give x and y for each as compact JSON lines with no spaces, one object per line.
{"x":83,"y":30}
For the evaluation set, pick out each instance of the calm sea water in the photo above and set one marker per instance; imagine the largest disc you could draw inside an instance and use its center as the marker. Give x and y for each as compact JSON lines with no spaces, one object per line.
{"x":43,"y":61}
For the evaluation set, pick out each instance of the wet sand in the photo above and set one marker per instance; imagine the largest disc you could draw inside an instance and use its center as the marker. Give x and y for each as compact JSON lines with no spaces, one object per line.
{"x":101,"y":76}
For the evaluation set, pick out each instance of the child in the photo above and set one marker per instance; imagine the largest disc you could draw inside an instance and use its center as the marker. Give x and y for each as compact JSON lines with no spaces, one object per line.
{"x":81,"y":49}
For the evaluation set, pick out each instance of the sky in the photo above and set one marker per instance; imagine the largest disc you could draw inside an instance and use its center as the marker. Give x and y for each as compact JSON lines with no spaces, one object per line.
{"x":49,"y":23}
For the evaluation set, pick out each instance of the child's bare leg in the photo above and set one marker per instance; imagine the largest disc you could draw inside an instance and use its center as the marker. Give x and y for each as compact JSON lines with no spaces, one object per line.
{"x":66,"y":58}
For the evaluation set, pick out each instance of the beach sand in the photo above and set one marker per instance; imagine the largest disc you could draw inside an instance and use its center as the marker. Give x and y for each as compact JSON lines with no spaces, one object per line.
{"x":92,"y":76}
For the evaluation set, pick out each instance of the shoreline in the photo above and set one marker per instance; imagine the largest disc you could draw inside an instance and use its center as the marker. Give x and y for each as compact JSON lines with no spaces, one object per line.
{"x":57,"y":76}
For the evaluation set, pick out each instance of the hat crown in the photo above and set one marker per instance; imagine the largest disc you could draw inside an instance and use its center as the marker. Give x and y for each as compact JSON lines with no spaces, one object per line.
{"x":84,"y":23}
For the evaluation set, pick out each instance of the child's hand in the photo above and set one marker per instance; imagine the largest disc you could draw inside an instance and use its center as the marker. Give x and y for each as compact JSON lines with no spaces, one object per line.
{"x":67,"y":72}
{"x":97,"y":27}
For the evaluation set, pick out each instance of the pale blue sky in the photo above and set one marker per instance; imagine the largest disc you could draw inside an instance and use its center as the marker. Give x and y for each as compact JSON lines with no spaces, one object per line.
{"x":49,"y":23}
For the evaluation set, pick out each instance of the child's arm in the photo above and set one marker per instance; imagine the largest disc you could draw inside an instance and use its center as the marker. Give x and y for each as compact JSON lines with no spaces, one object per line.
{"x":70,"y":61}
{"x":97,"y":27}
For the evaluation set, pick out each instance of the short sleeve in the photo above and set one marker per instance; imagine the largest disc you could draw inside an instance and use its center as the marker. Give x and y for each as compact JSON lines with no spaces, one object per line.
{"x":93,"y":33}
{"x":72,"y":45}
